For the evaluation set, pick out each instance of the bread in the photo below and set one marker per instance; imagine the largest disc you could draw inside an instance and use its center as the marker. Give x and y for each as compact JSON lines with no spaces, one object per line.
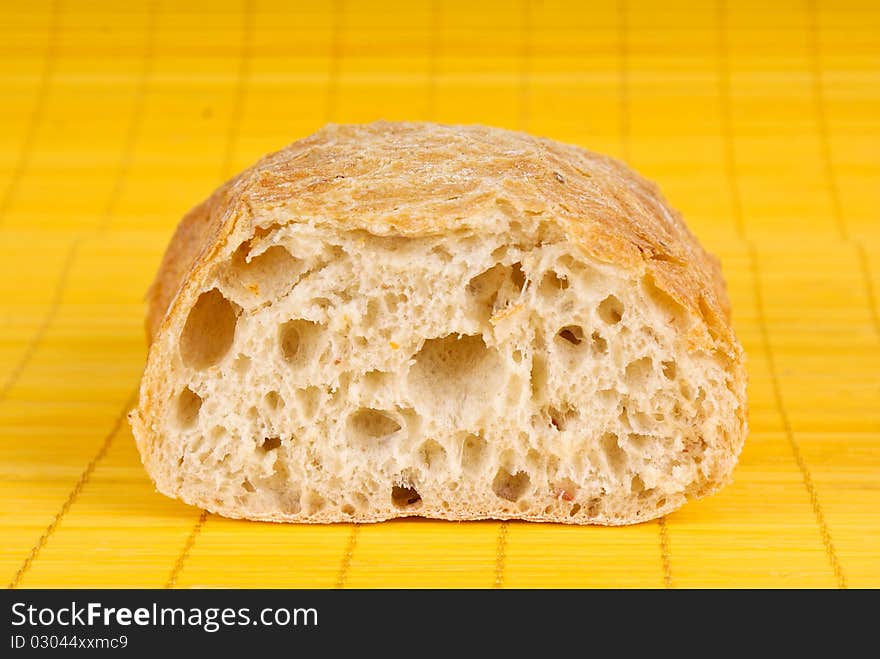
{"x":455,"y":322}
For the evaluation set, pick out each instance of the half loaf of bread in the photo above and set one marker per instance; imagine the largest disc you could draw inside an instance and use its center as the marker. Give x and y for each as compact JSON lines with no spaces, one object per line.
{"x":448,"y":321}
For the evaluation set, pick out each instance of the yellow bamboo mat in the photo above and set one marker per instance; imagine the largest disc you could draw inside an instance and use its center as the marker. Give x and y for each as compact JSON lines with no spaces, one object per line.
{"x":761,"y":122}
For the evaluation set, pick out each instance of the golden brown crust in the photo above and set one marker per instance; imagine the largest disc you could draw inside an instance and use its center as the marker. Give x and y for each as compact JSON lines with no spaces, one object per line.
{"x":419,"y":178}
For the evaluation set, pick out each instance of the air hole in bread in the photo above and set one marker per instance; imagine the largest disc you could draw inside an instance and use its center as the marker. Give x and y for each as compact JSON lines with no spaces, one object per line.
{"x":369,"y":424}
{"x":454,"y":375}
{"x":614,"y":456}
{"x":403,"y":496}
{"x":484,"y":289}
{"x":209,"y":330}
{"x":639,"y":443}
{"x":575,"y":509}
{"x":273,"y":401}
{"x":433,"y":455}
{"x":347,"y":509}
{"x":242,"y":364}
{"x":287,"y":493}
{"x":267,"y":275}
{"x":314,"y":503}
{"x":637,"y":485}
{"x":495,"y":288}
{"x":188,"y":405}
{"x":572,"y":334}
{"x":534,"y":459}
{"x":600,"y":345}
{"x":361,"y":501}
{"x":552,"y":284}
{"x":411,"y":420}
{"x":499,"y":253}
{"x":393,"y":302}
{"x":560,"y":418}
{"x":517,"y":356}
{"x":517,"y":276}
{"x":638,"y":372}
{"x":510,"y":486}
{"x":623,"y":416}
{"x":270,"y":444}
{"x":687,"y":391}
{"x":308,"y":400}
{"x":373,"y":381}
{"x":290,"y":339}
{"x":371,"y":314}
{"x":247,"y":486}
{"x":538,"y":378}
{"x":669,"y":370}
{"x":298,"y":339}
{"x":473,"y":453}
{"x":611,"y":310}
{"x":289,"y":500}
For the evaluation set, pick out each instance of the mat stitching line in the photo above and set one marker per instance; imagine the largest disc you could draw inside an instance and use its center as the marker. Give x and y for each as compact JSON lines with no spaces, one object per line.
{"x":831,"y":179}
{"x":824,"y":532}
{"x":869,"y":285}
{"x":335,"y":57}
{"x":122,"y":173}
{"x":347,"y":556}
{"x":135,"y":123}
{"x":664,"y":552}
{"x":235,"y":119}
{"x":46,"y":77}
{"x":734,"y":191}
{"x":74,"y":493}
{"x":38,"y":336}
{"x":501,"y":554}
{"x":177,"y":568}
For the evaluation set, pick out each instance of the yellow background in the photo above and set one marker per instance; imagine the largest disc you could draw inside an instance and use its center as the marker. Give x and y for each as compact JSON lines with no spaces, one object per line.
{"x":761,"y":123}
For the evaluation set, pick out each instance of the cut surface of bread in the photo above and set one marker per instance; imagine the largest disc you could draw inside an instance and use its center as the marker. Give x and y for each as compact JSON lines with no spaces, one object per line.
{"x":449,"y":321}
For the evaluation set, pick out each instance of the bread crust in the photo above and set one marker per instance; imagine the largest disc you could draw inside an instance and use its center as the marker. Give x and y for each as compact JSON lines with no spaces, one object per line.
{"x":415,"y":179}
